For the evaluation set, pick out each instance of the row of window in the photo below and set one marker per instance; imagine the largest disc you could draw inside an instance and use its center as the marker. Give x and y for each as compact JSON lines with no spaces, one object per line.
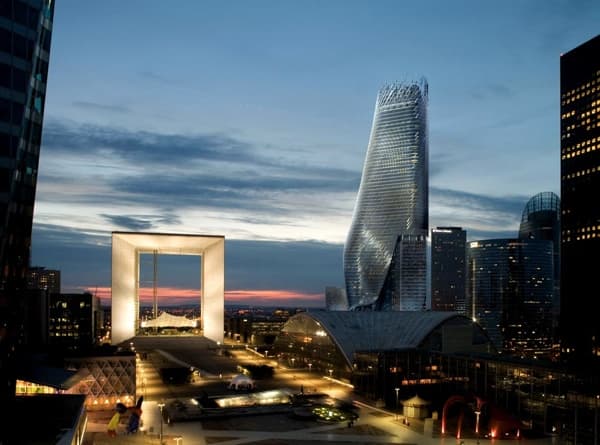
{"x":580,"y":152}
{"x":583,"y":114}
{"x":581,"y":145}
{"x":581,"y":123}
{"x":584,"y":172}
{"x":581,"y":237}
{"x":582,"y":233}
{"x":20,"y":12}
{"x":582,"y":90}
{"x":587,"y":128}
{"x":587,"y":229}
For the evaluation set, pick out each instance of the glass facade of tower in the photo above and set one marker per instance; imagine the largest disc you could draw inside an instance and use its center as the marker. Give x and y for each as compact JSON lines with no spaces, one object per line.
{"x":25,"y":33}
{"x":509,"y":293}
{"x":448,"y":274}
{"x":541,"y":220}
{"x":580,"y":212}
{"x":391,"y":212}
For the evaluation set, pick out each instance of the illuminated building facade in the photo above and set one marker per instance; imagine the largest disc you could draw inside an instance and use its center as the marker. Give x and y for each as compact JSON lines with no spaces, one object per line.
{"x":25,"y":35}
{"x":42,"y":278}
{"x":509,"y":291}
{"x":126,"y":250}
{"x":73,"y":320}
{"x":385,"y":254}
{"x":580,"y":212}
{"x":110,"y":379}
{"x":448,"y":269}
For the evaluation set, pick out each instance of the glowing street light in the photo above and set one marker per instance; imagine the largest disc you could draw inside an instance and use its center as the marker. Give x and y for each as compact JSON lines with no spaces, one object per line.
{"x":330,"y":373}
{"x":397,"y":391}
{"x":160,"y":407}
{"x":477,"y":414}
{"x":309,"y":366}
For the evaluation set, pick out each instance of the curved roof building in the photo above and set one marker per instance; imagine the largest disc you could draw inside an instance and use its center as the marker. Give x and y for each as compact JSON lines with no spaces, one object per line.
{"x":329,"y":339}
{"x":541,"y":218}
{"x":541,"y":221}
{"x":385,"y":251}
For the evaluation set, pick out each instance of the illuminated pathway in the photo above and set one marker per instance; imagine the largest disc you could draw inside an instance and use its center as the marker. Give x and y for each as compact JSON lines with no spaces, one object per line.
{"x":373,"y":426}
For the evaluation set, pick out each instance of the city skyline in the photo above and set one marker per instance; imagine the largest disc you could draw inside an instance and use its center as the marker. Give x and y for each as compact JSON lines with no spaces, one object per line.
{"x":268,"y":109}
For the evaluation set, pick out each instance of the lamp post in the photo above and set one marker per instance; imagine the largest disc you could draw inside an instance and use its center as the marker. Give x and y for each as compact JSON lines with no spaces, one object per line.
{"x":477,"y":414}
{"x":330,"y":373}
{"x":397,"y":391}
{"x":309,"y":366}
{"x":160,"y":407}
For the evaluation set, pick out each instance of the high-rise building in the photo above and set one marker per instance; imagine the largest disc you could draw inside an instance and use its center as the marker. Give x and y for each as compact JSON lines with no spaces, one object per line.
{"x":541,"y":220}
{"x":580,"y":208}
{"x":25,"y":32}
{"x":336,"y":299}
{"x":448,"y":273}
{"x":509,"y":293}
{"x":385,"y":256}
{"x":73,"y":320}
{"x":40,"y":278}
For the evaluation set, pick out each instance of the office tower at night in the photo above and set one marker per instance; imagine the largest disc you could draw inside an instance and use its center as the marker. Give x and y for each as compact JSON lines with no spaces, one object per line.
{"x":25,"y":32}
{"x":580,"y":206}
{"x":44,"y":279}
{"x":448,"y":273}
{"x":541,"y":220}
{"x":385,"y":256}
{"x":73,"y":320}
{"x":509,"y":293}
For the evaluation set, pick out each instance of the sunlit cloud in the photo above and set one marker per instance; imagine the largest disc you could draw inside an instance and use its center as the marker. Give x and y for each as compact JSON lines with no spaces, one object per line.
{"x":172,"y":296}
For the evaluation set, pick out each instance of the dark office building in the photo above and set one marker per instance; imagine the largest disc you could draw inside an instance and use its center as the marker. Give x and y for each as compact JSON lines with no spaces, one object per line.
{"x":510,"y":290}
{"x":541,"y":220}
{"x":40,"y":278}
{"x":25,"y":31}
{"x":73,"y":320}
{"x":448,"y":274}
{"x":580,"y":209}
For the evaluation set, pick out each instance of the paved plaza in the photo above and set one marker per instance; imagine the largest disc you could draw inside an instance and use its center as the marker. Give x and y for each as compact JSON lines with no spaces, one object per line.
{"x":216,"y":367}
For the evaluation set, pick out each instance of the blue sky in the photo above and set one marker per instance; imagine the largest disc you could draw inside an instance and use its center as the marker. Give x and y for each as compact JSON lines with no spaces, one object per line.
{"x":250,"y":119}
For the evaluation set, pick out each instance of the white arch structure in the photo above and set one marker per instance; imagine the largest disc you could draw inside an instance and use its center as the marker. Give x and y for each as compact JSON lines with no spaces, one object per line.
{"x":126,"y":250}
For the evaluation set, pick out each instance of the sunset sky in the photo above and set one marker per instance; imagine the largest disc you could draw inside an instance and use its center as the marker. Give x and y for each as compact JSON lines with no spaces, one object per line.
{"x":250,"y":119}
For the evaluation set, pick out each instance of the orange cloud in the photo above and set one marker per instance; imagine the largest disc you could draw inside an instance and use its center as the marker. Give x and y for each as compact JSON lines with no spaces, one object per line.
{"x":258,"y":297}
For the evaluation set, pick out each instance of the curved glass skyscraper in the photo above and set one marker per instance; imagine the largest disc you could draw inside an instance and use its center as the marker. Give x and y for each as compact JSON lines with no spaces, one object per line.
{"x":385,"y":252}
{"x":541,"y":220}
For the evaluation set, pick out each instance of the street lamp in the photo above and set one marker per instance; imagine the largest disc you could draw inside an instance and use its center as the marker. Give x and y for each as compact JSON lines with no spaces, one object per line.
{"x":477,"y":414}
{"x":397,"y":390}
{"x":293,"y":359}
{"x":330,"y":373}
{"x":309,"y":366}
{"x":160,"y":407}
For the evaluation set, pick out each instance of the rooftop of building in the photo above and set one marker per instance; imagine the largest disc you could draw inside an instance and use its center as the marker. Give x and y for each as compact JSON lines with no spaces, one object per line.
{"x":46,"y":418}
{"x":355,"y":331}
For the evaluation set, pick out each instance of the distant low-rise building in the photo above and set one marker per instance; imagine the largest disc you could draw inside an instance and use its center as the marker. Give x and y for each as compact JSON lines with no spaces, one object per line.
{"x":73,"y":320}
{"x":44,"y":279}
